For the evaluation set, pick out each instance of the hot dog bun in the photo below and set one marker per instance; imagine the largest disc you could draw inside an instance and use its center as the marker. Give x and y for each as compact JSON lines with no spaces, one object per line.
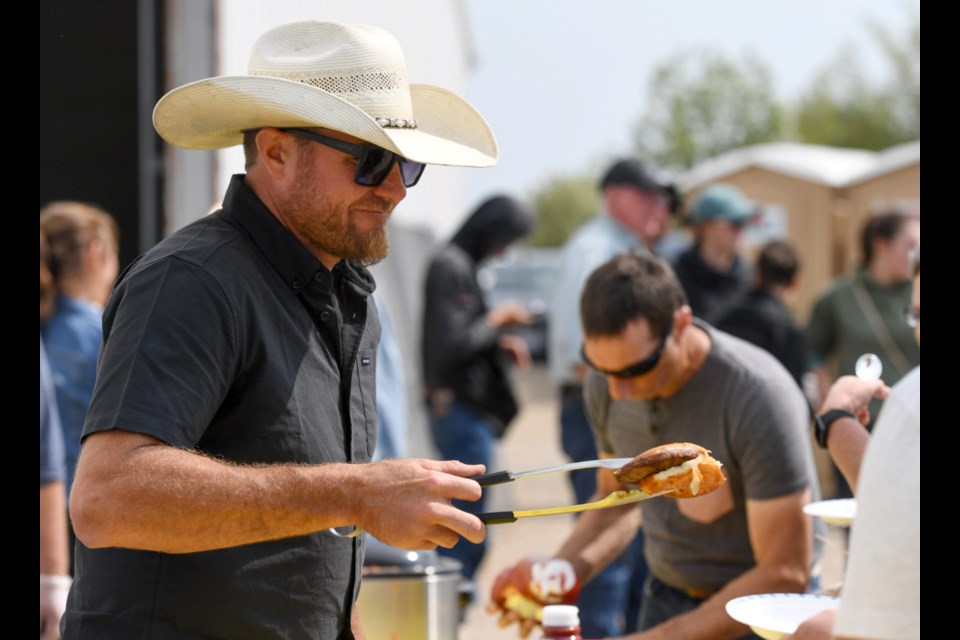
{"x":682,"y":469}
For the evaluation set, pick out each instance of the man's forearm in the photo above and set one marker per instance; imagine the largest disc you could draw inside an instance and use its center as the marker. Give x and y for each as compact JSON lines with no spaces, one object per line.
{"x":598,"y":537}
{"x":847,"y":438}
{"x":161,"y":498}
{"x":710,"y":621}
{"x":782,"y":540}
{"x":54,"y":547}
{"x":847,"y":441}
{"x":134,"y":492}
{"x":355,"y":625}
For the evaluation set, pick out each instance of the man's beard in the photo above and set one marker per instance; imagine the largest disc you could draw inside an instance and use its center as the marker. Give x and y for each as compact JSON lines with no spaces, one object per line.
{"x":327,"y":225}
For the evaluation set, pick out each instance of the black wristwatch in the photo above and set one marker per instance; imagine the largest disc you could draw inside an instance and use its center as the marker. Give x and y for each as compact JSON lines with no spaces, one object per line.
{"x":821,"y":424}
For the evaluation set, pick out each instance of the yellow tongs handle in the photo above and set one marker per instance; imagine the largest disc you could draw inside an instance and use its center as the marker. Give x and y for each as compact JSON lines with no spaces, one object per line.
{"x":614,"y":499}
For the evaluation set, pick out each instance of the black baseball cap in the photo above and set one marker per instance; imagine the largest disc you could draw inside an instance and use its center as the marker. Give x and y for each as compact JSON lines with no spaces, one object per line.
{"x":636,"y":173}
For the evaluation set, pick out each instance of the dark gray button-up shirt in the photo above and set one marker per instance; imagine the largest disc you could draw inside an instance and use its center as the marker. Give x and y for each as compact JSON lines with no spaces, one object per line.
{"x":230,"y":338}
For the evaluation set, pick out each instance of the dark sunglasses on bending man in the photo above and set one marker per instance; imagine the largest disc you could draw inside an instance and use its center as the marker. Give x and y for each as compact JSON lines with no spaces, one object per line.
{"x":636,"y":369}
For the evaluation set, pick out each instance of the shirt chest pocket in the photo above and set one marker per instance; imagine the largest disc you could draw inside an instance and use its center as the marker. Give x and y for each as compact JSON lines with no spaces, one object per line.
{"x":710,"y":507}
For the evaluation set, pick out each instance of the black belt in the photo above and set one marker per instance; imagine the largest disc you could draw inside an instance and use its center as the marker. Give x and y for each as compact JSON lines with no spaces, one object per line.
{"x":690,"y":592}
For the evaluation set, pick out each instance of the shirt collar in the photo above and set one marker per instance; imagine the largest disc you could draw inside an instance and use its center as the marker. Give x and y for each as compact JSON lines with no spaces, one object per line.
{"x":285,"y":253}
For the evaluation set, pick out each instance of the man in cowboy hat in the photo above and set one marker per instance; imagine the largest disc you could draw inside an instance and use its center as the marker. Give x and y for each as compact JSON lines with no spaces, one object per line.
{"x":232,"y":423}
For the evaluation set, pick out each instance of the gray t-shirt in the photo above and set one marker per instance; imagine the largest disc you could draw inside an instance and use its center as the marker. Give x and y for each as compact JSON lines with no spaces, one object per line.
{"x":744,"y":407}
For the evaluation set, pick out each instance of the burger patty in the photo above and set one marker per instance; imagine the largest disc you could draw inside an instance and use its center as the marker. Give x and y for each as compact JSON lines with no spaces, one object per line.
{"x":656,"y":460}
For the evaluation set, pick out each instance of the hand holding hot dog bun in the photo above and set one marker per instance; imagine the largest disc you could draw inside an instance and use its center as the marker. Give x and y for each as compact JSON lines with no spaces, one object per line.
{"x":681,"y":469}
{"x":520,"y":592}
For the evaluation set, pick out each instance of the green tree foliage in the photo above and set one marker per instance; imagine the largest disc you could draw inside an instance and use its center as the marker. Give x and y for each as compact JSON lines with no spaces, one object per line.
{"x":845,"y":108}
{"x":702,"y":104}
{"x":842,"y":109}
{"x":562,"y":205}
{"x":903,"y":57}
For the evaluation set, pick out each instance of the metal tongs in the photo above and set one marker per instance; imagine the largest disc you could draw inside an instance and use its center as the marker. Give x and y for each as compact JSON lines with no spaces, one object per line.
{"x":616,"y":498}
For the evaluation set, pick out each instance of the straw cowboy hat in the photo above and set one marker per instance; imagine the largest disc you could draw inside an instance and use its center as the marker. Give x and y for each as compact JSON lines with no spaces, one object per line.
{"x":345,"y":77}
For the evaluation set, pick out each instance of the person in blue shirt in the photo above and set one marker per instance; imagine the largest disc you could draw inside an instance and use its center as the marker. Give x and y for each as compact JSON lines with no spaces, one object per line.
{"x":391,"y":390}
{"x":54,"y":554}
{"x":83,"y":242}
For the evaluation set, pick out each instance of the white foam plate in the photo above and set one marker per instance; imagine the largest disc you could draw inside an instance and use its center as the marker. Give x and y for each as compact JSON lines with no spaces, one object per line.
{"x":836,"y":512}
{"x":775,"y":615}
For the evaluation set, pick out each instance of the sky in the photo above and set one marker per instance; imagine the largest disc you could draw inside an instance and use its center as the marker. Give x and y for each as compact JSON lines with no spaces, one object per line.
{"x":563,"y":82}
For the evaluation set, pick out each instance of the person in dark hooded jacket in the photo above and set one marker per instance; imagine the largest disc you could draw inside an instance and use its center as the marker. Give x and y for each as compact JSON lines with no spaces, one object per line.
{"x":467,"y":350}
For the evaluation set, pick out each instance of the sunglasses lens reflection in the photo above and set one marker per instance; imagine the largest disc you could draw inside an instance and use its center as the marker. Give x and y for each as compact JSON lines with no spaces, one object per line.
{"x":411,"y":171}
{"x":374,"y":166}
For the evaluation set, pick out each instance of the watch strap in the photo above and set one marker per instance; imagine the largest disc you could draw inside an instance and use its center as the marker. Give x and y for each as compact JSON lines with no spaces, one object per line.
{"x":822,"y":424}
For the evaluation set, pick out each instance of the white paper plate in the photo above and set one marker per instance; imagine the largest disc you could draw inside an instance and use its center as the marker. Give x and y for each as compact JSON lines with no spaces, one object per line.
{"x":837,"y":512}
{"x":775,"y":615}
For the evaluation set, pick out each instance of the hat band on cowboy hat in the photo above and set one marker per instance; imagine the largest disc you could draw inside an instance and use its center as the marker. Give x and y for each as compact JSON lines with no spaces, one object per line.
{"x":343,"y":77}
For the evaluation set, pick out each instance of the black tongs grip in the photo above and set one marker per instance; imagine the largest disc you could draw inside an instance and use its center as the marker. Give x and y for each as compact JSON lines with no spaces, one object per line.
{"x":497,"y":477}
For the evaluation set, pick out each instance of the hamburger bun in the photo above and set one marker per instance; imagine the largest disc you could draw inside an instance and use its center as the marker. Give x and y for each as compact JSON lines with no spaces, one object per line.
{"x":678,"y":470}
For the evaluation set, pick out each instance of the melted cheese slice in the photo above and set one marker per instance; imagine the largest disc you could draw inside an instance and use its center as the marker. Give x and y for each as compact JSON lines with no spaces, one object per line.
{"x":680,"y":469}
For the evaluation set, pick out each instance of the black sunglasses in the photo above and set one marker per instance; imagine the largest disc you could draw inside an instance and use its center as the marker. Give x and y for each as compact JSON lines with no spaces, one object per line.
{"x":636,"y":369}
{"x":373,"y":163}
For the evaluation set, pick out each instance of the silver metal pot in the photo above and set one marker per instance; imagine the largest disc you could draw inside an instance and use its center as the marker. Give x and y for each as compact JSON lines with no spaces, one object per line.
{"x":408,"y":594}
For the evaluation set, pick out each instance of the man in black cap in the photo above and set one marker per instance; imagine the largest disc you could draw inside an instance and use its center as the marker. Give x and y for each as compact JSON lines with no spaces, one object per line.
{"x":637,"y":202}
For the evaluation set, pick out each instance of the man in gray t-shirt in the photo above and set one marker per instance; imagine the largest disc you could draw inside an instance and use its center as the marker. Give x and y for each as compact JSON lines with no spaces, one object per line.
{"x":659,"y":376}
{"x":744,"y":410}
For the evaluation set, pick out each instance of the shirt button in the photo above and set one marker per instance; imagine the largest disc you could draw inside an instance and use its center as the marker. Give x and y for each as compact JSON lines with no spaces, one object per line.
{"x":324,"y":315}
{"x":318,"y":277}
{"x":296,"y":285}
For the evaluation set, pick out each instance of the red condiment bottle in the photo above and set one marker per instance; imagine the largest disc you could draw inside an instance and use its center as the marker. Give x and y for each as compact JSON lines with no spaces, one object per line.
{"x":561,"y":622}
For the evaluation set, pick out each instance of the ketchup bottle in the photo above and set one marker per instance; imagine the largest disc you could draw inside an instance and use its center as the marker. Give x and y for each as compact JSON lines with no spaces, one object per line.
{"x":561,"y":622}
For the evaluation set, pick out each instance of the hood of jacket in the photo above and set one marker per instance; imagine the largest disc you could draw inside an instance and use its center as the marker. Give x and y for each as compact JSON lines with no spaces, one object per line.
{"x":497,"y":223}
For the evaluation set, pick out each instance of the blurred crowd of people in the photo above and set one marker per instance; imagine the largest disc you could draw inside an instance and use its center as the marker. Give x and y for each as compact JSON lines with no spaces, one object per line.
{"x":468,"y":349}
{"x":861,"y":312}
{"x":647,"y":346}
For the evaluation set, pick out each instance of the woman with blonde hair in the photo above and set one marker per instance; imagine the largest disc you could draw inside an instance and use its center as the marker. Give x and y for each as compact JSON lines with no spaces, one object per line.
{"x":82,"y":241}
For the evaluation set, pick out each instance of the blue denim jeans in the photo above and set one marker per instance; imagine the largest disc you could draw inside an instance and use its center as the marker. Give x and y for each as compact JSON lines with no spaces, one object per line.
{"x":462,"y":434}
{"x":609,"y":604}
